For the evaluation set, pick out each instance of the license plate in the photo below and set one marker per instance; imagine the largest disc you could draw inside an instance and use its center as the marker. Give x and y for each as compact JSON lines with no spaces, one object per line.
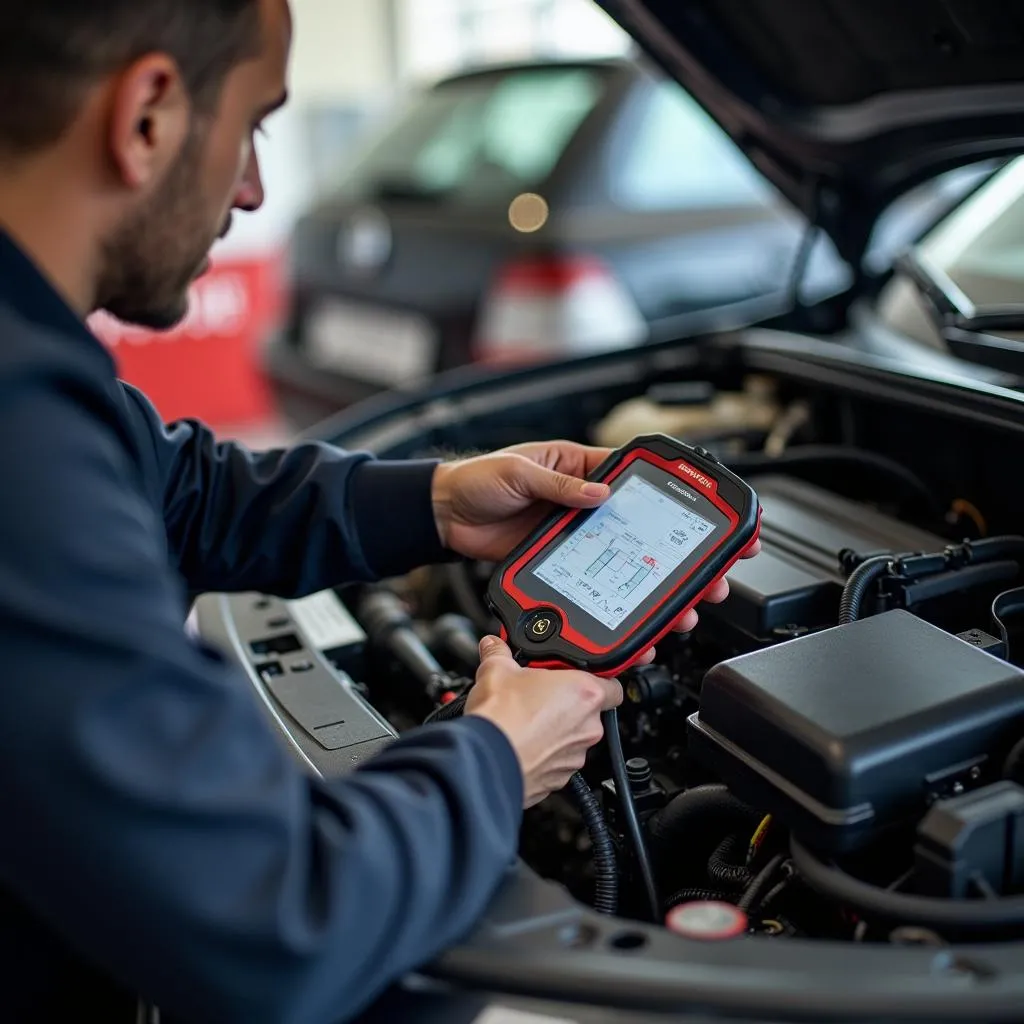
{"x":376,"y":345}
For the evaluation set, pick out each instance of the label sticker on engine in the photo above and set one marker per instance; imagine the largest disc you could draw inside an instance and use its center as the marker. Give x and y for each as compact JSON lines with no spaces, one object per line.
{"x":325,"y":621}
{"x":503,"y":1015}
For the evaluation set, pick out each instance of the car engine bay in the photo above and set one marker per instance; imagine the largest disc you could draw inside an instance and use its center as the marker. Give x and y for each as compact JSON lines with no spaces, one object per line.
{"x":835,"y":754}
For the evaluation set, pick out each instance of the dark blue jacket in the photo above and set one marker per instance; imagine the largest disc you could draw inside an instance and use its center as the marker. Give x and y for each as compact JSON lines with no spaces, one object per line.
{"x":154,"y":837}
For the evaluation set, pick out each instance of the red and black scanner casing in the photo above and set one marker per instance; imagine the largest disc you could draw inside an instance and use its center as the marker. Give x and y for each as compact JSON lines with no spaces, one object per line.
{"x":604,"y":652}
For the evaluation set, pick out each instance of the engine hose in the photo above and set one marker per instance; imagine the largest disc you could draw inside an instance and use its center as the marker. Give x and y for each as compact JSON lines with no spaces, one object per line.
{"x":634,"y":830}
{"x":449,"y":711}
{"x":1006,"y":609}
{"x":606,"y":867}
{"x":466,"y":597}
{"x":456,"y":634}
{"x":726,"y":867}
{"x":1013,"y":767}
{"x":995,"y":549}
{"x":858,"y":584}
{"x":962,"y":916}
{"x":760,"y":883}
{"x":697,"y":896}
{"x":772,"y":895}
{"x":836,"y":467}
{"x":684,"y":810}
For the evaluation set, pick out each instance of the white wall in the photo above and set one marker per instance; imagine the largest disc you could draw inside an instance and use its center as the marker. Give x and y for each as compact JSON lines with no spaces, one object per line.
{"x":342,"y":49}
{"x":342,"y":54}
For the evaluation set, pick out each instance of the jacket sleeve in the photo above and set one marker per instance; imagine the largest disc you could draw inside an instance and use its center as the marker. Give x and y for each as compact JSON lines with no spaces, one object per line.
{"x":160,"y":826}
{"x":290,"y":521}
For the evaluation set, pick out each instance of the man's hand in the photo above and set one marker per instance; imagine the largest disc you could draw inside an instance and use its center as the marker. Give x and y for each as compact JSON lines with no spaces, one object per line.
{"x":551,"y":718}
{"x":485,"y":506}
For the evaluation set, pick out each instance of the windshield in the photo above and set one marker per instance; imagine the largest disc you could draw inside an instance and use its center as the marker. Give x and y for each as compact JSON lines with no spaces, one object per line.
{"x":979,"y":251}
{"x":479,"y":140}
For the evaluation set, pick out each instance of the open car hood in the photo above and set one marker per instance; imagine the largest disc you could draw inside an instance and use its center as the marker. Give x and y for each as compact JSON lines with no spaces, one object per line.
{"x":846,"y":104}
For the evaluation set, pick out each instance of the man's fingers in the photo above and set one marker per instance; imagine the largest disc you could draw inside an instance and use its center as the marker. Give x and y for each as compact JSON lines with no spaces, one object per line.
{"x":687,"y":623}
{"x":717,"y":592}
{"x":540,"y":484}
{"x":493,"y":648}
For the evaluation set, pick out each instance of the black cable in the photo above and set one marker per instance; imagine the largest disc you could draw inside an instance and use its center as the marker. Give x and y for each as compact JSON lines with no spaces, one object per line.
{"x":1005,"y":607}
{"x":805,"y":250}
{"x":760,"y":883}
{"x":697,"y":896}
{"x":845,"y":470}
{"x":1013,"y":766}
{"x":727,"y":867}
{"x":625,"y":794}
{"x":606,"y":868}
{"x":467,"y":598}
{"x":449,"y":711}
{"x":700,"y":803}
{"x":772,"y":895}
{"x":927,"y":911}
{"x":858,"y":584}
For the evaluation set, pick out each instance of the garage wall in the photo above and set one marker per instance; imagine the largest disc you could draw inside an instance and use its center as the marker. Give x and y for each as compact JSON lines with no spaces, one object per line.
{"x":343,"y":49}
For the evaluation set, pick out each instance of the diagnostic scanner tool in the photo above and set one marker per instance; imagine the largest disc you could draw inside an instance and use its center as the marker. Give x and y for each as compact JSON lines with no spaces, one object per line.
{"x":595,"y":588}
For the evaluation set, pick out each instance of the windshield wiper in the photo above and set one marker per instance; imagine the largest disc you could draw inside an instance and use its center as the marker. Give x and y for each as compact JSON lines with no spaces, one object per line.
{"x":949,"y":307}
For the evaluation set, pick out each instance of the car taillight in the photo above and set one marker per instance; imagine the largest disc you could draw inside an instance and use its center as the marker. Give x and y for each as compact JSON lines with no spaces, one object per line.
{"x":545,"y":308}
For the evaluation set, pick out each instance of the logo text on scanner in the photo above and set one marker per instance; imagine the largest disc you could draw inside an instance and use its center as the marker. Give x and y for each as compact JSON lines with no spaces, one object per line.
{"x":699,"y":478}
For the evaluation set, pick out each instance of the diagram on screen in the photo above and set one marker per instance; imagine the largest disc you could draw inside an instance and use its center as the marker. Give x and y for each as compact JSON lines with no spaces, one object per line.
{"x":618,"y":563}
{"x":625,"y":552}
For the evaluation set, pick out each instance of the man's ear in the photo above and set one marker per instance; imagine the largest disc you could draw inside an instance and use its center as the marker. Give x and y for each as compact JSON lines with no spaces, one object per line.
{"x":149,"y":120}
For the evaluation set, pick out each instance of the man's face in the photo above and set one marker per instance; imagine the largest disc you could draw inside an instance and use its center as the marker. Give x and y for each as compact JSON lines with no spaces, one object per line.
{"x":151,"y":259}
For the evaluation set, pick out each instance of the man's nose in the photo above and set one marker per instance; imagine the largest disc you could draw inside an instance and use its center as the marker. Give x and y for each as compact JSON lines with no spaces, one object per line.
{"x":250,"y":193}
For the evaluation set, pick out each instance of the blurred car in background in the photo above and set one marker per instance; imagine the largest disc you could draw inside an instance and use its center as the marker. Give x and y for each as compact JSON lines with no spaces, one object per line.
{"x":533,"y":212}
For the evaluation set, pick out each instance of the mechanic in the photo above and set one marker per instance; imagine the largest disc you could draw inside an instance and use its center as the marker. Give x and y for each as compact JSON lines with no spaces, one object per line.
{"x":157,"y":839}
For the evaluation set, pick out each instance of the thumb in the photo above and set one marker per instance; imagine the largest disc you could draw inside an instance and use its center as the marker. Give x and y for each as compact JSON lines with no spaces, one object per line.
{"x":493,"y":648}
{"x":543,"y":484}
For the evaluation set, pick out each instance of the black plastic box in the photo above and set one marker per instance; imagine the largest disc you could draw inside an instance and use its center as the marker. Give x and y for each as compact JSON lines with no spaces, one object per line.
{"x":847,"y":732}
{"x":797,"y":578}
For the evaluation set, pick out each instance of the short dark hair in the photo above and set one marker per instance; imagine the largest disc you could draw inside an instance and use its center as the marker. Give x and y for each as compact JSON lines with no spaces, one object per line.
{"x":52,"y":50}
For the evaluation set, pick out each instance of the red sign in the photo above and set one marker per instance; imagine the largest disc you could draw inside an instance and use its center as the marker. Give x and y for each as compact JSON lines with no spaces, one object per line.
{"x":208,"y":367}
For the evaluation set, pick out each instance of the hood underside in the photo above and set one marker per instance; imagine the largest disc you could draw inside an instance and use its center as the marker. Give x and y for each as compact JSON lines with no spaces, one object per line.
{"x":846,"y":104}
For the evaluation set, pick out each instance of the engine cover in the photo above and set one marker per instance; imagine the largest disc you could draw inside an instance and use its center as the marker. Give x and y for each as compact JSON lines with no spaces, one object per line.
{"x":797,"y":578}
{"x":857,"y":729}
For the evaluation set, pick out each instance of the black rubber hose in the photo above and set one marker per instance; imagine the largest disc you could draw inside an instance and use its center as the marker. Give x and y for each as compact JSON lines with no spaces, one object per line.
{"x":469,"y":601}
{"x":760,"y":883}
{"x":446,"y":712}
{"x":772,"y":895}
{"x":962,"y":916}
{"x":634,"y":830}
{"x":389,"y":627}
{"x":697,"y":896}
{"x":995,"y":549}
{"x":457,"y":635}
{"x":858,"y":584}
{"x":606,"y":867}
{"x":686,"y":809}
{"x":851,"y":471}
{"x":1013,"y":766}
{"x":727,"y":867}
